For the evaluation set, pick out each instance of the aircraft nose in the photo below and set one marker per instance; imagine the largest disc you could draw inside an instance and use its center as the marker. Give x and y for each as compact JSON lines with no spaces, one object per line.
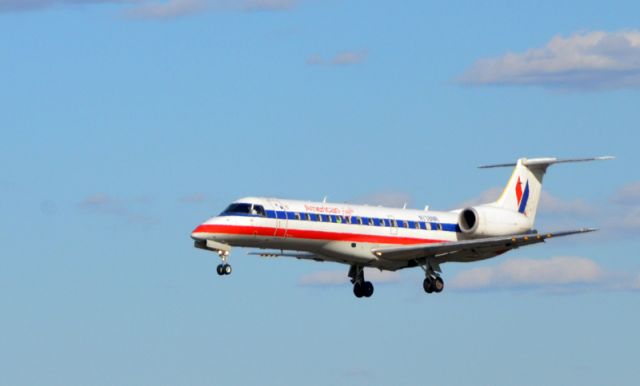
{"x":198,"y":233}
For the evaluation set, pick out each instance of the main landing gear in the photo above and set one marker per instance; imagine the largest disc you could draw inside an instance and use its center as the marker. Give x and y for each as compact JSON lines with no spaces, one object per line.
{"x":224,"y":268}
{"x":432,"y":281}
{"x":361,"y":287}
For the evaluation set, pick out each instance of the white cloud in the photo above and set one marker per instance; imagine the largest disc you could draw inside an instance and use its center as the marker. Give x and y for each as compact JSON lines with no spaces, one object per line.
{"x":625,"y":221}
{"x":516,"y":273}
{"x":169,"y":9}
{"x":628,"y":194}
{"x":159,"y":9}
{"x":103,"y":204}
{"x":25,"y":5}
{"x":485,"y":197}
{"x":390,"y":199}
{"x":548,"y":203}
{"x":340,"y":59}
{"x":269,"y":5}
{"x":591,"y":60}
{"x":636,"y":284}
{"x":555,"y":205}
{"x":349,"y":57}
{"x":195,"y":198}
{"x":333,"y":278}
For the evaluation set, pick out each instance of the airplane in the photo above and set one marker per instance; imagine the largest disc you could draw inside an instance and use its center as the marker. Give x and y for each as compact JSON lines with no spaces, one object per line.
{"x":385,"y":238}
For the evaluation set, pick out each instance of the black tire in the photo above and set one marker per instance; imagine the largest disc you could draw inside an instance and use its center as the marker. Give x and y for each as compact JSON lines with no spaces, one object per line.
{"x":357,"y":290}
{"x":367,"y":289}
{"x":438,"y":285}
{"x":427,"y":284}
{"x":220,"y":269}
{"x":227,"y":269}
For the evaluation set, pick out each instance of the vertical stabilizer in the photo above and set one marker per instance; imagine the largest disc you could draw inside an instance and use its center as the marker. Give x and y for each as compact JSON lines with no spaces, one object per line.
{"x":522,"y":193}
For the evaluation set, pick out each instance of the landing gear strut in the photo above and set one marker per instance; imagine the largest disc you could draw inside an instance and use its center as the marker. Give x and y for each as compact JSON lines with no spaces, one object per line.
{"x":361,"y":287}
{"x":432,"y":281}
{"x":224,"y":268}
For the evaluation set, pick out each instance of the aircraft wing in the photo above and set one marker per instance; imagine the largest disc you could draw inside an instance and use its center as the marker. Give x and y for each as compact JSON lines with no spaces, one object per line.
{"x":297,"y":255}
{"x":467,"y":250}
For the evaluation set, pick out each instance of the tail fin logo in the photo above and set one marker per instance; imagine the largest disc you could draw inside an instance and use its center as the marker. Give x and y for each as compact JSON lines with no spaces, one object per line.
{"x":522,"y":196}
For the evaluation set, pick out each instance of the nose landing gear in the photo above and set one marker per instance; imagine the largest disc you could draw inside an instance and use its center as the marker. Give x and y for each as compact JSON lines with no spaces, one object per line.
{"x":224,"y":268}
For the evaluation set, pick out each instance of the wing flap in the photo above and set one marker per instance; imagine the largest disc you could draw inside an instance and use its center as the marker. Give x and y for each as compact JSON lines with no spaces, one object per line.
{"x":495,"y":244}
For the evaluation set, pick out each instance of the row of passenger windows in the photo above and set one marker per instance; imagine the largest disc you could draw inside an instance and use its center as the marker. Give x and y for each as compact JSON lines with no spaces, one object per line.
{"x":258,"y":210}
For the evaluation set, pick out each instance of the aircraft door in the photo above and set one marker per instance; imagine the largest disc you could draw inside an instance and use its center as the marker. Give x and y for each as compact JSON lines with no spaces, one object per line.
{"x":281,"y":222}
{"x":393,"y":228}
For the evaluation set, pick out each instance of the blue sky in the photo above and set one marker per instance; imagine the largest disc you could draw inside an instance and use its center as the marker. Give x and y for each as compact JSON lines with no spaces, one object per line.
{"x":126,"y":123}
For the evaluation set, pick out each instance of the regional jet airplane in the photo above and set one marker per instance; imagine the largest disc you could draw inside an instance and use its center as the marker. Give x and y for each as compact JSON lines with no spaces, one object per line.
{"x":385,"y":238}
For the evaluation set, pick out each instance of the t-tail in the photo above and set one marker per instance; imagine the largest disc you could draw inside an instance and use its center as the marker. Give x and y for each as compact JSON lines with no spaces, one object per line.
{"x":516,"y":208}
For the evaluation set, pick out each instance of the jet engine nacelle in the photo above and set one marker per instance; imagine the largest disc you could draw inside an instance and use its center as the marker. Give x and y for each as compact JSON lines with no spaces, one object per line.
{"x":486,"y":221}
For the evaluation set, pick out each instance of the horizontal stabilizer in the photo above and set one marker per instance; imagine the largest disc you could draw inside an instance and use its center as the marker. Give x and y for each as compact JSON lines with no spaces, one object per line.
{"x":546,"y":161}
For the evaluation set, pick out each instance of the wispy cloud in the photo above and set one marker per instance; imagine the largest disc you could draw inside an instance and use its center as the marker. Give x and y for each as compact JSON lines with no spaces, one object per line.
{"x":391,"y":199}
{"x":195,"y":198}
{"x":340,"y":59}
{"x":169,"y":9}
{"x":159,"y":9}
{"x":555,"y":274}
{"x":592,"y":60}
{"x":103,"y":204}
{"x":269,"y":5}
{"x":485,"y":197}
{"x":26,"y":5}
{"x":628,"y":194}
{"x":548,"y":204}
{"x":556,"y":205}
{"x":522,"y":273}
{"x":335,"y":278}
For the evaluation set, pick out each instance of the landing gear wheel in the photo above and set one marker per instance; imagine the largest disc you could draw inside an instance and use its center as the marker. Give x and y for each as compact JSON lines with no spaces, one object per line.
{"x":427,"y":284}
{"x":358,"y":290}
{"x":438,"y":285}
{"x":226,"y":268}
{"x":367,"y":288}
{"x":220,"y":269}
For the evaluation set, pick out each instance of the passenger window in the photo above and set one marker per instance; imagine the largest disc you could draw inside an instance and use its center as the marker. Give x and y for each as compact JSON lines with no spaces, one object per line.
{"x":298,"y":216}
{"x":308,"y":217}
{"x":360,"y":220}
{"x":417,"y":224}
{"x":439,"y":226}
{"x":339,"y":219}
{"x":370,"y":221}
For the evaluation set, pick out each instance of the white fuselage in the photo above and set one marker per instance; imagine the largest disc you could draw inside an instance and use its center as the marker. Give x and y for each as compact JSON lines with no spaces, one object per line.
{"x":338,"y":232}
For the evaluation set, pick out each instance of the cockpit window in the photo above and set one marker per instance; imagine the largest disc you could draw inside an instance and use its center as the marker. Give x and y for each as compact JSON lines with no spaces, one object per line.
{"x":246,"y":209}
{"x":258,"y":210}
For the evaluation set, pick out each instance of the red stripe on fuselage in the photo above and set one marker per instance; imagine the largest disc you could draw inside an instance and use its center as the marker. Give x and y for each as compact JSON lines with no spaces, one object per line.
{"x":309,"y":234}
